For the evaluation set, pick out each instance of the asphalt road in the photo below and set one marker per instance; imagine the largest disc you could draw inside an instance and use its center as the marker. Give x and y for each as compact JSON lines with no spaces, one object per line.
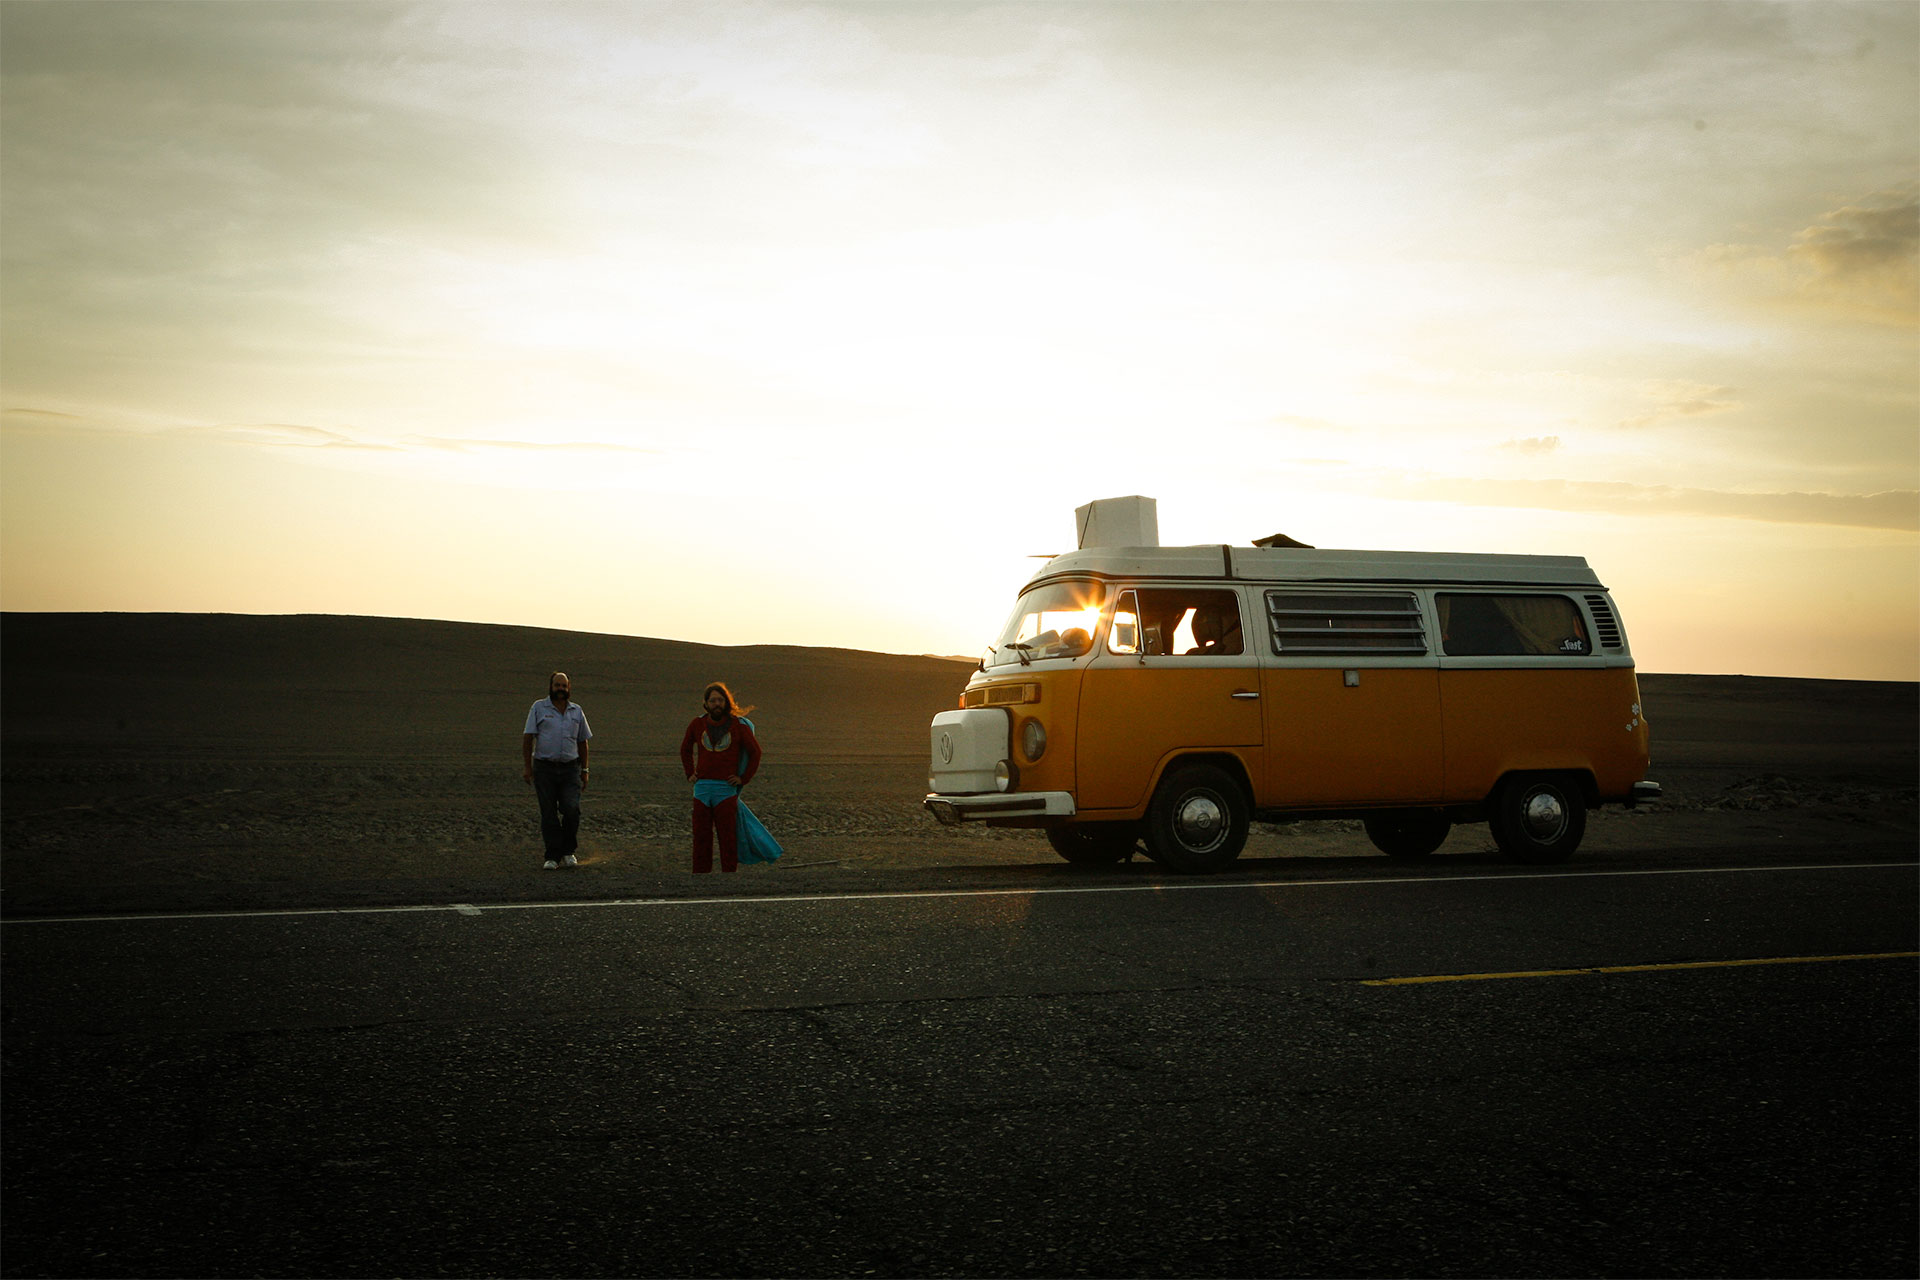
{"x":1018,"y":1074}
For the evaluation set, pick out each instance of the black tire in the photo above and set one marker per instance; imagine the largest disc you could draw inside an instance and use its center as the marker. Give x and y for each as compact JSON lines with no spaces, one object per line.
{"x":1538,"y":818}
{"x":1094,"y":842}
{"x":1407,"y":835}
{"x":1197,"y":821}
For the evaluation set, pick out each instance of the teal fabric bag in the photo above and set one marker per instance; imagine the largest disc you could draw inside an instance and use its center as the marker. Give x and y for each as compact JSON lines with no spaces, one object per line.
{"x":753,"y":841}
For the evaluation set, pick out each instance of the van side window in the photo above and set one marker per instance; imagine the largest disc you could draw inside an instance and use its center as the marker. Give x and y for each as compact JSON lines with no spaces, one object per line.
{"x":1177,"y":622}
{"x":1311,"y":622}
{"x":1485,"y":626}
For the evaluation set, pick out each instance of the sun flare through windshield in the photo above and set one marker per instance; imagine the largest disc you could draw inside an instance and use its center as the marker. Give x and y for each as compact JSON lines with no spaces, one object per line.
{"x":1054,"y":621}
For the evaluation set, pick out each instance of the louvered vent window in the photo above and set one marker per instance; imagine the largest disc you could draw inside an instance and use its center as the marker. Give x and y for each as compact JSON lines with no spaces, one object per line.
{"x":1606,"y":627}
{"x":1318,"y":622}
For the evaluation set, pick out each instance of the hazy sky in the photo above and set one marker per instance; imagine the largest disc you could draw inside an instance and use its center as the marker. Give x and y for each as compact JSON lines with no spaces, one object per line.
{"x":809,"y":323}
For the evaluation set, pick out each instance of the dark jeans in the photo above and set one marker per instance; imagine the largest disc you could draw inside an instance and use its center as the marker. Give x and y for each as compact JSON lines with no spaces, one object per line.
{"x":557,"y":785}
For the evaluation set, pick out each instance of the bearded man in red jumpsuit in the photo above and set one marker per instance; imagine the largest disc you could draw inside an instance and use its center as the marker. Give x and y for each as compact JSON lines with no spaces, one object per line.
{"x":720,"y":755}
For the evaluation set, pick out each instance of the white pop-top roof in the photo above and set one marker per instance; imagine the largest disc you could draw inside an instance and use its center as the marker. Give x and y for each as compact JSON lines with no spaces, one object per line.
{"x":1328,"y":567}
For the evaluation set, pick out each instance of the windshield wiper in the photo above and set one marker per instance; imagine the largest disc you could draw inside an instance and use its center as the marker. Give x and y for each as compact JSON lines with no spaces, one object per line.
{"x":1023,"y":650}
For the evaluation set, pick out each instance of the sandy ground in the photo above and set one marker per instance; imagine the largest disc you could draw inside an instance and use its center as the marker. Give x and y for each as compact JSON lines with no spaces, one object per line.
{"x":164,"y":761}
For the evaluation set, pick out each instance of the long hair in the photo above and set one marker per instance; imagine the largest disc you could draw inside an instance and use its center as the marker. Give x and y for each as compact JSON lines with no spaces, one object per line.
{"x":733,"y":708}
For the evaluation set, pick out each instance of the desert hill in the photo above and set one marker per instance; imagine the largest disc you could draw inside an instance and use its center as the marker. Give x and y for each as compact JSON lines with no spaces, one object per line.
{"x":323,"y":687}
{"x":406,"y":690}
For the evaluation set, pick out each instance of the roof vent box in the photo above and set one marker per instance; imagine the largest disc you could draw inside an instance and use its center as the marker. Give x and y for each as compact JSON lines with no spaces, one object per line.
{"x":1118,"y":522}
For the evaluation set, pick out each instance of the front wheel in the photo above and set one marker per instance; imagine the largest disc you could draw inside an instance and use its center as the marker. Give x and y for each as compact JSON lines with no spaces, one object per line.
{"x":1538,"y":818}
{"x":1094,"y":842}
{"x":1407,"y":835}
{"x":1198,"y":820}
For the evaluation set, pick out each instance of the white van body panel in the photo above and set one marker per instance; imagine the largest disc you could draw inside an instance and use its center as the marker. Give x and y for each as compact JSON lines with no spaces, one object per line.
{"x":966,"y":747}
{"x":1349,"y":568}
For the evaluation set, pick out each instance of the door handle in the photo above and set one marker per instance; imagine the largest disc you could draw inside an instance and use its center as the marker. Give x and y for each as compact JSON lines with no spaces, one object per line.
{"x":1244,"y":693}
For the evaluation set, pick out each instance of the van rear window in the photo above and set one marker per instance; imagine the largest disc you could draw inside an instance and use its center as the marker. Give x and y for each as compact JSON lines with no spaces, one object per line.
{"x":1490,"y":626}
{"x":1344,"y":622}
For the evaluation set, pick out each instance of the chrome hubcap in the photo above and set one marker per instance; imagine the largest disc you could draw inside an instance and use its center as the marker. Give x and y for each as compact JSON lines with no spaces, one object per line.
{"x":1544,"y":815}
{"x":1200,"y":821}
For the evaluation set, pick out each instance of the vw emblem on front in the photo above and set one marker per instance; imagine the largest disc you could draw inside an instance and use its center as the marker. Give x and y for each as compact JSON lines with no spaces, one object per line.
{"x":946,"y":748}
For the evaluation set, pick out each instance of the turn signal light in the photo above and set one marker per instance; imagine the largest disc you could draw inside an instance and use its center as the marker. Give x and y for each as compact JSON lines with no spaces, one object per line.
{"x":1000,"y":695}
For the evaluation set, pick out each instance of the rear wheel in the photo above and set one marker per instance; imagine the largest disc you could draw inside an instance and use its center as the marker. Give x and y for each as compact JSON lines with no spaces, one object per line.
{"x":1538,"y":817}
{"x":1094,"y":842}
{"x":1407,"y":834}
{"x":1198,"y":820}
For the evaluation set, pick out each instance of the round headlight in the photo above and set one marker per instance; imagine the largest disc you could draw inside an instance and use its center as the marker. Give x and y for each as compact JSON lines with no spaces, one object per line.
{"x":1033,"y":739}
{"x":1002,"y":776}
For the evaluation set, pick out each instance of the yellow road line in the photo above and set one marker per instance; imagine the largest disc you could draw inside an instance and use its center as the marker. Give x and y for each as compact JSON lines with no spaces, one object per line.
{"x":1632,"y":968}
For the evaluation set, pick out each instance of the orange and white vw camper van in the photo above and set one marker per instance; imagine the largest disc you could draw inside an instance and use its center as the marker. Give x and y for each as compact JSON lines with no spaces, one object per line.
{"x":1173,"y":695}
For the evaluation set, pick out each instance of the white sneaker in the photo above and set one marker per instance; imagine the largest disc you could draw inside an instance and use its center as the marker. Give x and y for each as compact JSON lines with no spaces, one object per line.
{"x":551,"y":865}
{"x":569,"y":861}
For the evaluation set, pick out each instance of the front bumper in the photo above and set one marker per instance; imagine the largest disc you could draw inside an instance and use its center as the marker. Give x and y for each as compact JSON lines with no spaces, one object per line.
{"x":954,"y":810}
{"x":1643,"y":793}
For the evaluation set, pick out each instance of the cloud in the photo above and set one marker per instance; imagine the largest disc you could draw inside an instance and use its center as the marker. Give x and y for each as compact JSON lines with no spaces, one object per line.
{"x":1533,"y":445}
{"x":283,"y":435}
{"x":1893,"y":509}
{"x":293,"y":436}
{"x":1861,"y":260}
{"x":1304,"y":423}
{"x":1865,"y":242}
{"x":454,"y":445}
{"x":300,"y":436}
{"x":286,"y":435}
{"x":1674,"y":400}
{"x":39,"y":417}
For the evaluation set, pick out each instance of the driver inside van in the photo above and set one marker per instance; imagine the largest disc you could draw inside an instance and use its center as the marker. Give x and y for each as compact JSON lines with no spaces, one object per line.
{"x":1213,"y":633}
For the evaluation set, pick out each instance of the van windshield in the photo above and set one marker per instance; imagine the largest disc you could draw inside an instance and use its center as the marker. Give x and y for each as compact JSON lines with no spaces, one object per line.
{"x":1054,"y":621}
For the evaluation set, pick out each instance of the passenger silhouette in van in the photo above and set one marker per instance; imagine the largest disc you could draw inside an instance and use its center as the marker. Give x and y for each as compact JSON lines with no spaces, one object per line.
{"x":1214,"y":633}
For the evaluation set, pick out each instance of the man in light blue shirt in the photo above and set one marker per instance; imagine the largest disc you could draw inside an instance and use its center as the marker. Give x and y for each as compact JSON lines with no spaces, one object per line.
{"x":553,"y":751}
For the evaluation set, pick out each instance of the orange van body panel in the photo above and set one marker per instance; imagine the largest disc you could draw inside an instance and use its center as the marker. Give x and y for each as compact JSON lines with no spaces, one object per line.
{"x":1058,"y":712}
{"x":1414,"y":735}
{"x":1377,"y":742}
{"x":1133,"y":717}
{"x":1498,"y":721}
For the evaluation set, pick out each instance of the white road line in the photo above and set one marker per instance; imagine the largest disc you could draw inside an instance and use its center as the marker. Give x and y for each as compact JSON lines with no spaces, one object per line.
{"x":1183,"y":886}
